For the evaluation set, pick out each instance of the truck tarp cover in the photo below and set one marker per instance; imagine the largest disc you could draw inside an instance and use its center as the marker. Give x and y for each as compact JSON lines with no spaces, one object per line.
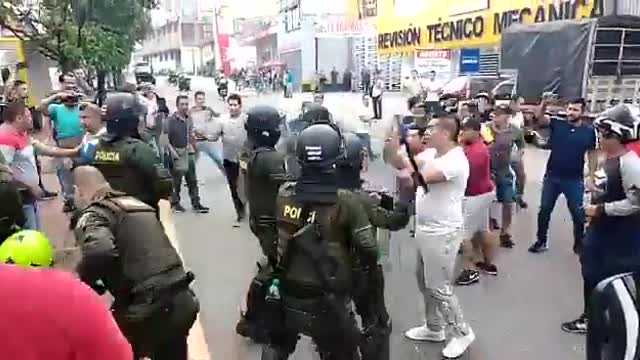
{"x":549,"y":56}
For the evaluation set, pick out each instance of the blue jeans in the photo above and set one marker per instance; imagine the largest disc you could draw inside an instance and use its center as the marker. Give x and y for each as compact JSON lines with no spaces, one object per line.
{"x":66,"y":180}
{"x":213,"y":150}
{"x":32,"y":218}
{"x":573,"y":191}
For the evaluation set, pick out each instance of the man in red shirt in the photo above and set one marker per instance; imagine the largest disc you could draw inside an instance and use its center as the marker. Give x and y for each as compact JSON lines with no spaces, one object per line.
{"x":48,"y":314}
{"x":478,"y":250}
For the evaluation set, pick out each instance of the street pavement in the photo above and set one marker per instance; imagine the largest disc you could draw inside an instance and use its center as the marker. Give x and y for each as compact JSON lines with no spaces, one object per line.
{"x":516,"y":315}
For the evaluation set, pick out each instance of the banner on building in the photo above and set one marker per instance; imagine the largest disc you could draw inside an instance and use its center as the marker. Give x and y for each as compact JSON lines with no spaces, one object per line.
{"x":434,"y":60}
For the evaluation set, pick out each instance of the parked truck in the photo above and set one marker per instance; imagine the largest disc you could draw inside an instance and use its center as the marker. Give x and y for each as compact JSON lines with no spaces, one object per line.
{"x":595,"y":59}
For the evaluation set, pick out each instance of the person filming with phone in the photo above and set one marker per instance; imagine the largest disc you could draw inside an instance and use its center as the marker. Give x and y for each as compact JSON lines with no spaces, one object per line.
{"x":63,"y":110}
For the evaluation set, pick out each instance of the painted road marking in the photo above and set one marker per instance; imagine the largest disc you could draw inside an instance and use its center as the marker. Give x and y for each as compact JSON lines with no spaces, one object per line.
{"x":198,"y":348}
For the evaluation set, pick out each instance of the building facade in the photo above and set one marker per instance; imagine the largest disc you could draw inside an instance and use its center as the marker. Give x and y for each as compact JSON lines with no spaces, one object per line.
{"x":178,"y":45}
{"x":463,"y":36}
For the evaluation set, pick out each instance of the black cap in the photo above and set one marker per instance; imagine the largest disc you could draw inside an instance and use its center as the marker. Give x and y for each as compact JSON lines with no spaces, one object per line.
{"x":471,"y":123}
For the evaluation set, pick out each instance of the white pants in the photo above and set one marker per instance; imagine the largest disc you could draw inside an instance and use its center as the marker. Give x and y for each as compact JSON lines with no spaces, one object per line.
{"x":434,"y":271}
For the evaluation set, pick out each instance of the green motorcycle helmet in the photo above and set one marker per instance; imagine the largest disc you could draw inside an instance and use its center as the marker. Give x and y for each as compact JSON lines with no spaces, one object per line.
{"x":27,"y":248}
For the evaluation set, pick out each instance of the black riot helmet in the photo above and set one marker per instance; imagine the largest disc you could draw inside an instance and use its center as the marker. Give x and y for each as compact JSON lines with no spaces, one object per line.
{"x":349,"y":166}
{"x":316,"y":113}
{"x":621,"y":120}
{"x":319,"y":146}
{"x":263,"y":126}
{"x":122,"y":112}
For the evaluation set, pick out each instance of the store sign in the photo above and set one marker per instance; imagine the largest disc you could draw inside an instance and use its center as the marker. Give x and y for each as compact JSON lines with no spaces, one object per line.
{"x":469,"y":61}
{"x":343,"y":26}
{"x":408,"y":37}
{"x":434,"y":60}
{"x":477,"y":26}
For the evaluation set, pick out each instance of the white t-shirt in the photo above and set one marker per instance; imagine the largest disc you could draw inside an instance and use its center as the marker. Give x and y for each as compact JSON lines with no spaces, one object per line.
{"x":432,"y":89}
{"x":440,"y":210}
{"x":517,"y":120}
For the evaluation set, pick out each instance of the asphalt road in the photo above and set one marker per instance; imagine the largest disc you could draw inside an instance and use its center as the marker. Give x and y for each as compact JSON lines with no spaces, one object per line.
{"x":516,"y":315}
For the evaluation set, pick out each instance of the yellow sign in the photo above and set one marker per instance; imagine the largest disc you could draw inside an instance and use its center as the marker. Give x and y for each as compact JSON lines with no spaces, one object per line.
{"x":435,"y":29}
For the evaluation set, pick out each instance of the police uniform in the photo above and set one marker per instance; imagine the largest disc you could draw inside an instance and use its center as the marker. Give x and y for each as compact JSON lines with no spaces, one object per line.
{"x":322,"y":231}
{"x":368,"y":284}
{"x":126,"y":251}
{"x":129,"y":164}
{"x":265,"y":173}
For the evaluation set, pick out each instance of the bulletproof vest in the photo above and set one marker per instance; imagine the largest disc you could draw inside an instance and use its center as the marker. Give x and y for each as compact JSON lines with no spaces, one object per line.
{"x":297,"y":267}
{"x":500,"y":150}
{"x":113,"y":161}
{"x":262,"y":190}
{"x":614,"y":189}
{"x":144,"y":250}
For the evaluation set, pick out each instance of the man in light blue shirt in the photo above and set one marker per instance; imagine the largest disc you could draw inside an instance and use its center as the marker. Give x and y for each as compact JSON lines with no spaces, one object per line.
{"x":67,"y":130}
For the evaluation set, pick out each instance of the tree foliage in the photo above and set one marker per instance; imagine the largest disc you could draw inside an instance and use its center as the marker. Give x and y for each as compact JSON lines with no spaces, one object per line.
{"x":100,"y":34}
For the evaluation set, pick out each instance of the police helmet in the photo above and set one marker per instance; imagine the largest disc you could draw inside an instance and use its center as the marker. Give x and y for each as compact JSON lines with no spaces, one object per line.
{"x":263,"y":125}
{"x":319,"y":146}
{"x":621,"y":120}
{"x":316,"y":113}
{"x":353,"y":154}
{"x":122,"y":112}
{"x":27,"y":248}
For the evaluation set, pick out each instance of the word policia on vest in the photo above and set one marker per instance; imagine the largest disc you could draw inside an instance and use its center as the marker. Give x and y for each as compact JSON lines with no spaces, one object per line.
{"x":294,"y":212}
{"x":475,"y":27}
{"x":107,"y":156}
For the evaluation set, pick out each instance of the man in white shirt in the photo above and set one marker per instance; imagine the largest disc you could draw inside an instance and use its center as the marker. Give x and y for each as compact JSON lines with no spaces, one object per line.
{"x":439,"y":233}
{"x":432,"y":88}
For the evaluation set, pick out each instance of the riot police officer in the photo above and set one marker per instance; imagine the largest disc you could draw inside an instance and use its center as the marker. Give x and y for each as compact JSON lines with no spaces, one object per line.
{"x":314,"y":113}
{"x":125,"y":251}
{"x":128,"y":163}
{"x":265,"y":174}
{"x":11,"y":215}
{"x":368,"y":290}
{"x":322,"y":229}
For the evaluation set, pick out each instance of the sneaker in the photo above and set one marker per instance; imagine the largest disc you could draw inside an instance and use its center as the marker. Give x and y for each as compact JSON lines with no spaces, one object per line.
{"x":238,"y":222}
{"x":506,"y":242}
{"x":177,"y":208}
{"x":68,"y":207}
{"x":493,"y":224}
{"x":468,"y":277}
{"x":577,"y":326}
{"x":458,"y":345}
{"x":48,"y":195}
{"x":538,"y":247}
{"x":200,"y":209}
{"x":422,"y":333}
{"x":490,"y":269}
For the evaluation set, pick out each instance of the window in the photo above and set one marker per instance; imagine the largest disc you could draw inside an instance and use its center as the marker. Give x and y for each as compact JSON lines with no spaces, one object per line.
{"x":292,"y":13}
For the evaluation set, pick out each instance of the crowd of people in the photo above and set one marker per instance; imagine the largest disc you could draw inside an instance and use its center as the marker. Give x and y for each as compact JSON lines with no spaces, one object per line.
{"x":470,"y":163}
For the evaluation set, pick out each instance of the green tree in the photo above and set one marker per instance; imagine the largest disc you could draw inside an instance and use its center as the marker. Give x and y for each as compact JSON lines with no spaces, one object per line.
{"x":98,"y":34}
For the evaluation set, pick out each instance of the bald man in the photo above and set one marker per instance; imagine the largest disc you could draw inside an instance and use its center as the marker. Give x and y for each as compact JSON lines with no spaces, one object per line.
{"x":125,"y":251}
{"x":439,"y":233}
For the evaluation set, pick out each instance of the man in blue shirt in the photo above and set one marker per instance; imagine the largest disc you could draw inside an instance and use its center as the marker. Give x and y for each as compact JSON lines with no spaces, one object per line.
{"x":570,"y":140}
{"x":62,"y":108}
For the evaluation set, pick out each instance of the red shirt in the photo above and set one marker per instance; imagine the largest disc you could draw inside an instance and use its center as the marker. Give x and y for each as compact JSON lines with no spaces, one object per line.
{"x":479,"y":169}
{"x":635,"y":147}
{"x":49,"y":314}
